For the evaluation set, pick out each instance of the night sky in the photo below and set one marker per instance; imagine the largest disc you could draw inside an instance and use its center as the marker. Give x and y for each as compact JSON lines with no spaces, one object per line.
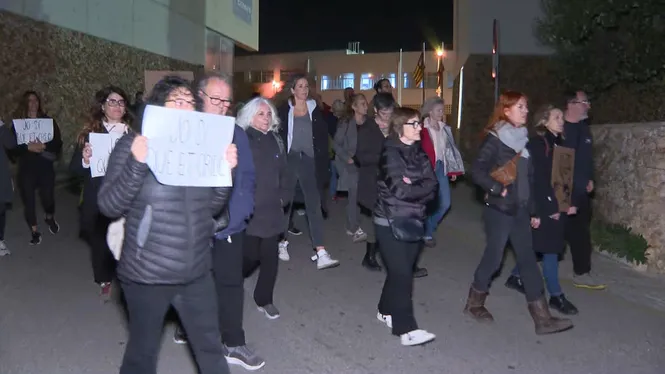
{"x":379,"y":25}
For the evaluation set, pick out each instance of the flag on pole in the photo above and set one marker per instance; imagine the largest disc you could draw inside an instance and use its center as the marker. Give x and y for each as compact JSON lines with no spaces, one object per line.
{"x":419,"y":73}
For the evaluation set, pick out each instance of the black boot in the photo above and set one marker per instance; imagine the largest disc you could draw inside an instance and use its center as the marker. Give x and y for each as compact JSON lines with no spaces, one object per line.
{"x":515,"y":283}
{"x":419,"y":272}
{"x":369,"y":261}
{"x":561,"y":304}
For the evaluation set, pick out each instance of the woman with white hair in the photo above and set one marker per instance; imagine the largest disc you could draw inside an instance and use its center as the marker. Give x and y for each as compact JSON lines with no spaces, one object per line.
{"x":438,"y":142}
{"x":259,"y":119}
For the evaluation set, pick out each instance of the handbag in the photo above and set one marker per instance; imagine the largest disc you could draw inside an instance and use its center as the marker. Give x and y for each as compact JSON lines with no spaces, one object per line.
{"x":115,"y":236}
{"x":506,"y":173}
{"x":407,"y":229}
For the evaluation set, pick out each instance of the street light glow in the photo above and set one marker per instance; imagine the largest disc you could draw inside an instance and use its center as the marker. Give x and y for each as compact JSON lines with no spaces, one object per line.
{"x":439,"y":52}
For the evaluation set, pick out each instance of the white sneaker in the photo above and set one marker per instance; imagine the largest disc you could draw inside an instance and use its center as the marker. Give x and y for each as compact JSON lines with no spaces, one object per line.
{"x":416,"y":337}
{"x":284,"y":251}
{"x":359,"y":236}
{"x":388,"y":320}
{"x":3,"y":249}
{"x":324,"y":261}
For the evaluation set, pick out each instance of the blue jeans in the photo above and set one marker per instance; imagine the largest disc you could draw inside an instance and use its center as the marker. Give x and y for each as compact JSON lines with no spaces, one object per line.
{"x":333,"y":179}
{"x":442,"y":201}
{"x":550,"y":273}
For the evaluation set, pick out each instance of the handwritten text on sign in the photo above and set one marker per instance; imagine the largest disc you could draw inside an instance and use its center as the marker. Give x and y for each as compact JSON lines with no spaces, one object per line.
{"x":188,"y":148}
{"x":102,"y":145}
{"x":33,"y":129}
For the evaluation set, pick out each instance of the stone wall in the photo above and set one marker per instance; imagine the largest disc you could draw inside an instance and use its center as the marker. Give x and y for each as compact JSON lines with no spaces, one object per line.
{"x":67,"y":68}
{"x":537,"y":78}
{"x":630,"y":181}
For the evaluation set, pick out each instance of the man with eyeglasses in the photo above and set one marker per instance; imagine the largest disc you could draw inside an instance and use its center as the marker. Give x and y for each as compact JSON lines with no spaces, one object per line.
{"x":227,"y":253}
{"x":577,"y":136}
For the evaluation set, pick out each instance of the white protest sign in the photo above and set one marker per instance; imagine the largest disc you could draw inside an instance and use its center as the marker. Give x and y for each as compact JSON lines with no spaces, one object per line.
{"x":187,"y":148}
{"x":102,"y":145}
{"x":33,"y":129}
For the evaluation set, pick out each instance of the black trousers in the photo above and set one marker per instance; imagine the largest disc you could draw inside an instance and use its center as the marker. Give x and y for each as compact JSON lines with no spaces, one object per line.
{"x":227,"y":259}
{"x":101,"y":258}
{"x":499,"y":228}
{"x":578,"y":236}
{"x":397,"y":296}
{"x":3,"y":219}
{"x":262,"y":253}
{"x":147,"y":306}
{"x":31,"y":181}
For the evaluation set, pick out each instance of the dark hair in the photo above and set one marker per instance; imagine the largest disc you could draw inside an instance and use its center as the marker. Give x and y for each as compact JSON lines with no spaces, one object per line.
{"x":400,"y":117}
{"x":22,"y":109}
{"x":379,"y":83}
{"x":569,"y":96}
{"x":96,"y":115}
{"x":168,"y":84}
{"x":294,"y":82}
{"x":384,"y":100}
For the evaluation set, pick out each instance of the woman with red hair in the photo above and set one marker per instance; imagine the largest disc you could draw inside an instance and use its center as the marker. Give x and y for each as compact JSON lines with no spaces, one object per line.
{"x":503,"y":169}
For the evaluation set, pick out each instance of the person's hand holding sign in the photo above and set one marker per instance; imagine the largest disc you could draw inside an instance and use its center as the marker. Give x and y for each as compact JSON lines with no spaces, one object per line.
{"x":232,"y":155}
{"x":87,"y":153}
{"x":37,"y":147}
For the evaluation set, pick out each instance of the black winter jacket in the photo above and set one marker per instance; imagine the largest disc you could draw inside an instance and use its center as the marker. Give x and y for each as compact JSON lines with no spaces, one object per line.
{"x":368,"y":154}
{"x":397,"y":198}
{"x":493,"y":154}
{"x":168,"y":232}
{"x":272,"y":191}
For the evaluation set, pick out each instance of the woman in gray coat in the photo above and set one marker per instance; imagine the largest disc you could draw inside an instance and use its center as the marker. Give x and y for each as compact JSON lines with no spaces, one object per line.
{"x":345,"y":145}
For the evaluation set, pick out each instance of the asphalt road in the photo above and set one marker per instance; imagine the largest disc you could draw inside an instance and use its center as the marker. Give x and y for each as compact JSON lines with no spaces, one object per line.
{"x":53,"y":322}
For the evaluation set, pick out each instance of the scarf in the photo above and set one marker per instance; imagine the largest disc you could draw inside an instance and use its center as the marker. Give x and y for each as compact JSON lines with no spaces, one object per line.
{"x":514,"y":137}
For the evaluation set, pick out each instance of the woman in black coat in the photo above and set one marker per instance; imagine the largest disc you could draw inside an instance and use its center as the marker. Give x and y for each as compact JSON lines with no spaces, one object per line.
{"x":7,"y":143}
{"x":406,"y":184}
{"x":370,"y":141}
{"x":109,"y":115}
{"x":35,"y":168}
{"x":548,"y":238}
{"x":509,"y":212}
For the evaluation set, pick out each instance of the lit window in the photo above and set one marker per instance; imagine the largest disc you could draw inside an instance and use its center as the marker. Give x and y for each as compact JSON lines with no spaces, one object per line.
{"x":325,"y":83}
{"x":366,"y":81}
{"x":407,"y":81}
{"x":347,"y":80}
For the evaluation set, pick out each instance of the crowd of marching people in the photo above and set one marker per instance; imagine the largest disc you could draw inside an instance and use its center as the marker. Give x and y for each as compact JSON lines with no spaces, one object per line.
{"x":191,"y":248}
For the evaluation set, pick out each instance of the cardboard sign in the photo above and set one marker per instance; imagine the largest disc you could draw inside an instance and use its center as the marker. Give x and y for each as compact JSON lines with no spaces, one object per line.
{"x":188,"y":148}
{"x":102,"y":145}
{"x":151,"y":77}
{"x":33,"y":129}
{"x":563,"y":169}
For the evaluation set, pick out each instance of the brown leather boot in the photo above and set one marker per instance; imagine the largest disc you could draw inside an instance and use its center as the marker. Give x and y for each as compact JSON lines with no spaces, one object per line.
{"x":545,"y":323}
{"x":475,"y":306}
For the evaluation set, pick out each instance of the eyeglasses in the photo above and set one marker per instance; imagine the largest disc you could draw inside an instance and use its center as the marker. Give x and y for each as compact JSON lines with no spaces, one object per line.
{"x":414,"y":124}
{"x":217,"y":100}
{"x":114,"y":102}
{"x":181,"y":102}
{"x":586,"y":102}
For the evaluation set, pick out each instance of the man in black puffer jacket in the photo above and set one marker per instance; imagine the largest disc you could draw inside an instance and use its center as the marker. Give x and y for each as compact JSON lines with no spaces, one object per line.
{"x":166,"y":253}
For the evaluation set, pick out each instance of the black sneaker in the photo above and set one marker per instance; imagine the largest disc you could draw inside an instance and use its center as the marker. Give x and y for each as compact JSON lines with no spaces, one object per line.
{"x":36,"y":238}
{"x":294,"y":231}
{"x":53,"y":226}
{"x":244,"y":357}
{"x":419,"y":272}
{"x":562,"y":305}
{"x":179,"y":336}
{"x":515,"y":283}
